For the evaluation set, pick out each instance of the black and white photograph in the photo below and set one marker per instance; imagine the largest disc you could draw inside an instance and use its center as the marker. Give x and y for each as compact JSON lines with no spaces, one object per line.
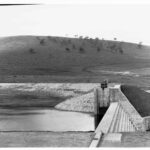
{"x":74,"y":73}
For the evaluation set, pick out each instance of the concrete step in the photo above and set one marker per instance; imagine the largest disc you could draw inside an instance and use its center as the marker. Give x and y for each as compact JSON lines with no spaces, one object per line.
{"x":118,"y":120}
{"x":126,"y":122}
{"x":114,"y":120}
{"x":129,"y":125}
{"x":121,"y":121}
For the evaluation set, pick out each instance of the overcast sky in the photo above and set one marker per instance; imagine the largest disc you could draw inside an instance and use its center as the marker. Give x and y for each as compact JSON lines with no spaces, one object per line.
{"x":126,"y":22}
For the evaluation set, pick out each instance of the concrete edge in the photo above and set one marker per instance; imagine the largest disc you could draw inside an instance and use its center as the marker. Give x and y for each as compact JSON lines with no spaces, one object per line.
{"x":137,"y":120}
{"x":104,"y":125}
{"x":107,"y":119}
{"x":130,"y":104}
{"x":96,"y":140}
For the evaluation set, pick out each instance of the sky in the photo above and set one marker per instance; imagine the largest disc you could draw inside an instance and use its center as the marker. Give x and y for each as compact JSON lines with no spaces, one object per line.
{"x":125,"y":21}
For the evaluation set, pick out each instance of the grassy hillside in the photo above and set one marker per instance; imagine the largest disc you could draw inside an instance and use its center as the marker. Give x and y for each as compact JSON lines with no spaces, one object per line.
{"x":30,"y":55}
{"x":61,"y":59}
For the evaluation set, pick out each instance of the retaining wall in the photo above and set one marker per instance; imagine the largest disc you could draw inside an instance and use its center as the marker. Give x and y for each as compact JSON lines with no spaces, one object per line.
{"x":134,"y":116}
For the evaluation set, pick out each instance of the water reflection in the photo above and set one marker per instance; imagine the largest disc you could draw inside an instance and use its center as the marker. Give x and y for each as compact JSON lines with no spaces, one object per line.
{"x":44,"y":120}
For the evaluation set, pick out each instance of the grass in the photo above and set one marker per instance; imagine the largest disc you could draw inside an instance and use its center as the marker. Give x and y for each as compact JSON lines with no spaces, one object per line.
{"x":45,"y":59}
{"x":45,"y":139}
{"x":16,"y":54}
{"x":138,"y":98}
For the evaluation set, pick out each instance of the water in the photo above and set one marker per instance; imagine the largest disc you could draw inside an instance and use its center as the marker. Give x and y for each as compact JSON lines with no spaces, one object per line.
{"x":44,"y":120}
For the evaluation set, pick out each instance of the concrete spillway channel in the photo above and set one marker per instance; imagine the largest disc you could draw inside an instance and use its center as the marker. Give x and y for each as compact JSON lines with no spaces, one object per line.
{"x":120,"y":117}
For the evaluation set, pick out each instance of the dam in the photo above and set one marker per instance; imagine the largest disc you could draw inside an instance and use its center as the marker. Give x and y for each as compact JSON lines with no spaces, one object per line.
{"x":120,"y":122}
{"x":113,"y":119}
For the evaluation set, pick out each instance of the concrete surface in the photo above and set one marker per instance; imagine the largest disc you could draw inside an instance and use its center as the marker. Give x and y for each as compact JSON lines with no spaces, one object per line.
{"x":132,"y":139}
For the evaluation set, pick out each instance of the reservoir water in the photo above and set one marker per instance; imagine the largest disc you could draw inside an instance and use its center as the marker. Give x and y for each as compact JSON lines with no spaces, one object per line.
{"x":44,"y":120}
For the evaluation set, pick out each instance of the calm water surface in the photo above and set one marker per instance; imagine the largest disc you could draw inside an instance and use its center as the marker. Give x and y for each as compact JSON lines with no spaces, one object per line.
{"x":44,"y":120}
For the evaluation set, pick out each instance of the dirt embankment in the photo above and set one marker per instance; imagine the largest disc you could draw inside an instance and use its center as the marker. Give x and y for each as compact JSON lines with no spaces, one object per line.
{"x":63,"y":96}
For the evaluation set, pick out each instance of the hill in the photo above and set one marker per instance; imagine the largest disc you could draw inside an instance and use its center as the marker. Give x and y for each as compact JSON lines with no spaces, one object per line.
{"x":47,"y":55}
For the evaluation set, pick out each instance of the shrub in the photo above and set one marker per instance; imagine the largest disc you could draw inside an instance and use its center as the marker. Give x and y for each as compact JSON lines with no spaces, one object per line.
{"x":73,"y":46}
{"x":49,"y":37}
{"x":67,"y":49}
{"x":81,"y":50}
{"x":42,"y":42}
{"x":112,"y":47}
{"x":69,"y":41}
{"x":63,"y":42}
{"x":120,"y":50}
{"x":98,"y":49}
{"x":38,"y":38}
{"x":32,"y":51}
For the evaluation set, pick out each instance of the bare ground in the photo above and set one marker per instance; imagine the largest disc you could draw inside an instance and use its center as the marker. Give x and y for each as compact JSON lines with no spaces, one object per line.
{"x":45,"y":139}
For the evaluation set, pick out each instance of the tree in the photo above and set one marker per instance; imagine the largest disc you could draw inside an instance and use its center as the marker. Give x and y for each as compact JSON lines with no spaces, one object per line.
{"x":49,"y":37}
{"x":140,"y":45}
{"x":80,"y":37}
{"x":42,"y":42}
{"x":81,"y":50}
{"x":96,"y":40}
{"x":86,"y":38}
{"x":113,"y":47}
{"x":38,"y":38}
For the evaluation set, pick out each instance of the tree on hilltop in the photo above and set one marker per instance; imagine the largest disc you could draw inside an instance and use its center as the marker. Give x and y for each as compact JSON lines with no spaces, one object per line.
{"x":139,"y":45}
